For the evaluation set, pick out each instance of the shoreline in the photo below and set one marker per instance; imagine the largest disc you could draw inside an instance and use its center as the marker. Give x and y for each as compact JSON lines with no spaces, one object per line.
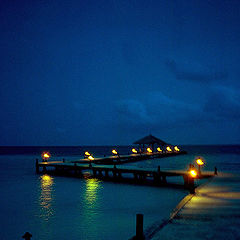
{"x":216,"y":202}
{"x":151,"y":231}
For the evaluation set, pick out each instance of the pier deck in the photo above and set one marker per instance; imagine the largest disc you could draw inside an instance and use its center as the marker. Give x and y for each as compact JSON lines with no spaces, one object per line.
{"x":113,"y":172}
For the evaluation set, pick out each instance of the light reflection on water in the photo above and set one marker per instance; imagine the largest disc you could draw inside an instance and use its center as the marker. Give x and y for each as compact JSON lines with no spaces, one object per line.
{"x":91,"y":194}
{"x":92,"y":202}
{"x":46,"y":197}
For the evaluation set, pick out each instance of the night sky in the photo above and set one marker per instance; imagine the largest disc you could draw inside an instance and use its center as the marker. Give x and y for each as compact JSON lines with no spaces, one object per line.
{"x":109,"y":72}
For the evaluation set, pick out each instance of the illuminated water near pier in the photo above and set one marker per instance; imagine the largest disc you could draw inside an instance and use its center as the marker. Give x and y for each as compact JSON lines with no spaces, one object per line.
{"x":51,"y":207}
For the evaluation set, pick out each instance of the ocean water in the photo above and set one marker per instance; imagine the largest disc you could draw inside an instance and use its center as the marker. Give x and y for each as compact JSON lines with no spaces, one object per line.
{"x":54,"y":207}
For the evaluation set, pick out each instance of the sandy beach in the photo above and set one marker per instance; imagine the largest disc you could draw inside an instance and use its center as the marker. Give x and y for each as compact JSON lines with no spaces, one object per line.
{"x":212,"y":213}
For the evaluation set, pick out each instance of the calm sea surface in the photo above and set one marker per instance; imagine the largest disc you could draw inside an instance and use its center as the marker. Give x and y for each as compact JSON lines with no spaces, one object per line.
{"x":54,"y":207}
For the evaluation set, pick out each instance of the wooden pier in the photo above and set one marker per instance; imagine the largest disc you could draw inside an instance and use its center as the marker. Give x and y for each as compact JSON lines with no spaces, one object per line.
{"x":121,"y":159}
{"x":118,"y":173}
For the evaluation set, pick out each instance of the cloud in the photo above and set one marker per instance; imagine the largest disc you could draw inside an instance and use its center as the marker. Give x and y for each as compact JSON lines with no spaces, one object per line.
{"x":160,"y":110}
{"x":195,"y":73}
{"x":157,"y":110}
{"x":133,"y":111}
{"x":223,"y":102}
{"x":166,"y":110}
{"x":169,"y":117}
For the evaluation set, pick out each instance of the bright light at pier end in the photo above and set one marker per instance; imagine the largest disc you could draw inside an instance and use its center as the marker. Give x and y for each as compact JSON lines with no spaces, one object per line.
{"x":46,"y":155}
{"x":149,"y":150}
{"x":159,"y":149}
{"x":91,"y":158}
{"x":169,"y":149}
{"x":176,"y":148}
{"x":114,"y":151}
{"x":193,"y":173}
{"x":199,"y":162}
{"x":134,"y":150}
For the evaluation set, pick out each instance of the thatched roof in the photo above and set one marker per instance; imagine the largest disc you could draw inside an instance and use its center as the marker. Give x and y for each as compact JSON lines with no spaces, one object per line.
{"x":150,"y":140}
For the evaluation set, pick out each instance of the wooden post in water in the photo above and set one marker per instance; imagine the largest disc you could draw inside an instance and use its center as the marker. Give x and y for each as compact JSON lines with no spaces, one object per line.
{"x":164,"y":179}
{"x":139,"y":227}
{"x":56,"y":169}
{"x":75,"y":169}
{"x":135,"y":176}
{"x":27,"y":236}
{"x":191,"y":185}
{"x":37,"y":166}
{"x":44,"y":168}
{"x":159,"y":179}
{"x":114,"y":171}
{"x":185,"y":179}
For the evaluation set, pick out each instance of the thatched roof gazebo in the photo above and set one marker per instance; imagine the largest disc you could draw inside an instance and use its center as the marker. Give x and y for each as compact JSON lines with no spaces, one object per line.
{"x":150,"y":140}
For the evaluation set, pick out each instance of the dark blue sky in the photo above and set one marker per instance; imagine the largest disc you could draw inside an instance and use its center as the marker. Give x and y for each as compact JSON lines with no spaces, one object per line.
{"x":109,"y":72}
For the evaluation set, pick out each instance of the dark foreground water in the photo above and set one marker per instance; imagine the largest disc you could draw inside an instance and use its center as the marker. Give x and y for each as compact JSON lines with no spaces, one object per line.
{"x":52,"y":207}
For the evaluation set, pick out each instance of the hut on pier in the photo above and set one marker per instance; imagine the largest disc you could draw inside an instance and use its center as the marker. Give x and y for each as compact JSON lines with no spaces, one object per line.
{"x":150,"y":141}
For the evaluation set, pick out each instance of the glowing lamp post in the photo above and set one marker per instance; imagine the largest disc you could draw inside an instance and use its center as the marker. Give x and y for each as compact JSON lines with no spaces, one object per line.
{"x":134,"y":150}
{"x":159,"y":149}
{"x":149,"y":150}
{"x":90,"y":158}
{"x":193,"y":173}
{"x":169,"y":149}
{"x":200,"y":163}
{"x":87,"y":154}
{"x":190,"y":180}
{"x":176,"y":149}
{"x":45,"y":156}
{"x":114,"y":152}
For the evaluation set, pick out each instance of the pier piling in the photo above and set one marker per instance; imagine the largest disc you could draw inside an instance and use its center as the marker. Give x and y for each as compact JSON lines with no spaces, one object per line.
{"x":27,"y":236}
{"x":191,"y":185}
{"x":44,"y":169}
{"x":139,"y":227}
{"x":75,"y":169}
{"x":164,"y":179}
{"x":37,"y":166}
